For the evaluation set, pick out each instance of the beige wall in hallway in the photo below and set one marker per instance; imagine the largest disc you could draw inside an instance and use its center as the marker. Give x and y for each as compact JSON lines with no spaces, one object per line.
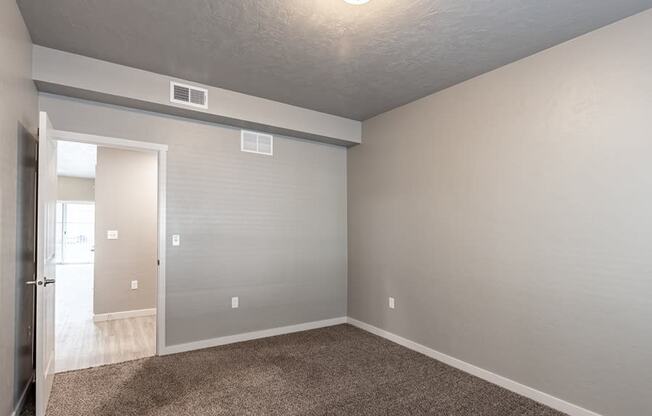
{"x":75,"y":189}
{"x":126,"y":185}
{"x":511,"y":218}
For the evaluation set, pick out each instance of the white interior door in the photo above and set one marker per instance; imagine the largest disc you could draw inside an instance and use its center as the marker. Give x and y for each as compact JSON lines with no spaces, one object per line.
{"x":45,"y":263}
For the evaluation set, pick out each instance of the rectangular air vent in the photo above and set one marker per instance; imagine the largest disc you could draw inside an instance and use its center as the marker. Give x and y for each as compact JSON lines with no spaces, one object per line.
{"x":188,"y":95}
{"x":253,"y":142}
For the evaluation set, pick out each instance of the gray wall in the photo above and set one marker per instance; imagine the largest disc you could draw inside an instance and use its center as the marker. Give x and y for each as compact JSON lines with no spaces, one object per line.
{"x":126,"y":188}
{"x":75,"y":189}
{"x":18,"y":121}
{"x":92,"y":79}
{"x":511,"y":217}
{"x":271,"y":230}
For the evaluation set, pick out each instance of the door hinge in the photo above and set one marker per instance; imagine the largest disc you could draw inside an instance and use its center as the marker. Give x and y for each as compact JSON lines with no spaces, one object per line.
{"x":158,"y":262}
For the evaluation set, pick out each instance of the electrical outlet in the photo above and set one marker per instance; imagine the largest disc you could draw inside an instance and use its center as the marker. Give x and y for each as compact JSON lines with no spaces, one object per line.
{"x":134,"y":284}
{"x":112,"y":235}
{"x":176,"y":240}
{"x":235,"y":302}
{"x":392,"y":303}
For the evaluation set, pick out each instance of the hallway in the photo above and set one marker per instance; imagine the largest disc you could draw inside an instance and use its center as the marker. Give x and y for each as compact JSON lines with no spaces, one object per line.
{"x":82,"y":343}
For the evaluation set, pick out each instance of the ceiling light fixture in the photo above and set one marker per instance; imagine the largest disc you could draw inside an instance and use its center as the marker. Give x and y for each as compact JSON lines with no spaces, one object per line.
{"x":357,"y":2}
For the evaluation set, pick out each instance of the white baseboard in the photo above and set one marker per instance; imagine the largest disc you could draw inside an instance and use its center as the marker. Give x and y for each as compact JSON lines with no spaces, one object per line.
{"x":123,"y":315}
{"x":230,"y":339}
{"x":23,"y":396}
{"x":518,"y":388}
{"x":529,"y":392}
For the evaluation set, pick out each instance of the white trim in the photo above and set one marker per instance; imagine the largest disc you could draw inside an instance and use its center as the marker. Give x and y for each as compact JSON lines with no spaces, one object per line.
{"x":523,"y":390}
{"x":247,"y":336}
{"x":190,"y":87}
{"x":115,"y":142}
{"x":162,"y":241}
{"x":101,"y":317}
{"x":23,"y":396}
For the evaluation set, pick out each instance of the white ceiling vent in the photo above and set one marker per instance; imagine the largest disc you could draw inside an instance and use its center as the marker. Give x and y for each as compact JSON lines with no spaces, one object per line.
{"x":253,"y":142}
{"x":188,"y":95}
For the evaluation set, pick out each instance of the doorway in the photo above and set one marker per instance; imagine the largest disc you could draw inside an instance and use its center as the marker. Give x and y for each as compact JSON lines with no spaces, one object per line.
{"x":106,"y":289}
{"x":46,"y":273}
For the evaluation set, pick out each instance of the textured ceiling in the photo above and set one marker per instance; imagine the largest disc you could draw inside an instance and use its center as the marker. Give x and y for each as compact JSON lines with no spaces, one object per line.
{"x":353,"y":61}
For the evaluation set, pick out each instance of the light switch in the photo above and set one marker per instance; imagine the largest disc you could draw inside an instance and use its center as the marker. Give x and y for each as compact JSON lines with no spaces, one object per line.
{"x":235,"y":302}
{"x":392,"y":303}
{"x":176,"y":240}
{"x":134,"y":284}
{"x":112,"y":235}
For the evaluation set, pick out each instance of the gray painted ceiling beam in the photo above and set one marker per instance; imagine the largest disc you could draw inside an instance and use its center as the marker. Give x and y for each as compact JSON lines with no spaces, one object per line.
{"x":86,"y":78}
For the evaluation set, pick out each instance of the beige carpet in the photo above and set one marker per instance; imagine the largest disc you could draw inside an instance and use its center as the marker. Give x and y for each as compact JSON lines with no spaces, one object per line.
{"x":339,"y":370}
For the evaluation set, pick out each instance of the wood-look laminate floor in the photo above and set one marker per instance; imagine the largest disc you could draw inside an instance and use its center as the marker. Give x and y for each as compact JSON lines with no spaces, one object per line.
{"x":82,"y":343}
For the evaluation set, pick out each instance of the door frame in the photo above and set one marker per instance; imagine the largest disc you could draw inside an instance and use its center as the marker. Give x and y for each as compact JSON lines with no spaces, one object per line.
{"x":161,"y":150}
